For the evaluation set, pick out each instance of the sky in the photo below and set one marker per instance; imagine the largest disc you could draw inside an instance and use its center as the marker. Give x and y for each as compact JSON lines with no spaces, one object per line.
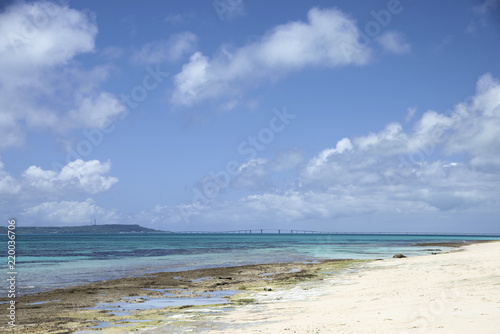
{"x":183,"y":115}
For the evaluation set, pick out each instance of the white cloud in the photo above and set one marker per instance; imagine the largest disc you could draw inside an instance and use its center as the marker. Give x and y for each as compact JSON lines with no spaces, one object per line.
{"x":172,"y":49}
{"x":69,"y":213}
{"x":391,"y":140}
{"x":329,"y":39}
{"x":8,"y":185}
{"x":291,"y":209}
{"x":191,"y":81}
{"x":286,"y":160}
{"x":393,"y":41}
{"x":76,"y":176}
{"x":322,"y":158}
{"x":40,"y":34}
{"x":477,"y":125}
{"x":412,"y":164}
{"x":258,"y":173}
{"x":95,"y":111}
{"x":43,"y":88}
{"x":406,"y":174}
{"x":410,"y":112}
{"x":253,"y":174}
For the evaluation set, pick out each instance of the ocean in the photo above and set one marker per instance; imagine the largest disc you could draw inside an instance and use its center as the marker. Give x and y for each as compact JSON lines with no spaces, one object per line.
{"x":49,"y":261}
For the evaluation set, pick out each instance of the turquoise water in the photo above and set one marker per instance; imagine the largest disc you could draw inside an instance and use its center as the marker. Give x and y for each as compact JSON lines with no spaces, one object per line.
{"x":49,"y":261}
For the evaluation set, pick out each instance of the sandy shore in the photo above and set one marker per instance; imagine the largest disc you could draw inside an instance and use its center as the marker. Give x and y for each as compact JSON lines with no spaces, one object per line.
{"x":457,"y":292}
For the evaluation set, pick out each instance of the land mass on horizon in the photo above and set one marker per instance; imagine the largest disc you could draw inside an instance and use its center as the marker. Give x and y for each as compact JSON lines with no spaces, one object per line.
{"x":105,"y":228}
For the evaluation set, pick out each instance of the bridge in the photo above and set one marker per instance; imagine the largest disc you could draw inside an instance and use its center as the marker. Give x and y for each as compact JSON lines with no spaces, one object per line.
{"x":257,"y":231}
{"x":290,"y":231}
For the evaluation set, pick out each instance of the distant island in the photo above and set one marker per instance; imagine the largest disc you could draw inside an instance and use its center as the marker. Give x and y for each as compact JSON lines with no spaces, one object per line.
{"x":105,"y":228}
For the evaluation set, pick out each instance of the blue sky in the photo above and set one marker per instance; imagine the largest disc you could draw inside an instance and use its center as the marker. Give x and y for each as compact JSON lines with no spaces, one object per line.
{"x":231,"y":114}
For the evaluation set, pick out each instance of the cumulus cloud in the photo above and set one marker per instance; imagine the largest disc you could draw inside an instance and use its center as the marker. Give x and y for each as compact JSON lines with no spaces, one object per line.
{"x":40,"y":34}
{"x":413,"y":164}
{"x":444,"y":165}
{"x":95,"y":111}
{"x":76,"y":176}
{"x":35,"y":194}
{"x":43,"y":88}
{"x":8,"y":185}
{"x":69,"y":213}
{"x":290,"y":209}
{"x":328,"y":39}
{"x":322,"y":158}
{"x":258,"y":173}
{"x":171,"y":49}
{"x":476,"y":125}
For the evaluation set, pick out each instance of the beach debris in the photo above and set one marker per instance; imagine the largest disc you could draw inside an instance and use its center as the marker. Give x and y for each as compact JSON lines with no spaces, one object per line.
{"x":398,"y":256}
{"x":225,"y":277}
{"x":268,"y":289}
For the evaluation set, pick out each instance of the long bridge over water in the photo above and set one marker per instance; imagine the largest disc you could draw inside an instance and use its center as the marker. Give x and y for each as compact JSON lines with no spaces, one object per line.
{"x":290,"y":231}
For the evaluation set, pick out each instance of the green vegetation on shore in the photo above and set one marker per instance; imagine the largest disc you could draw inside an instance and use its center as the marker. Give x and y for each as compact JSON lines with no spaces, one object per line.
{"x":107,"y":228}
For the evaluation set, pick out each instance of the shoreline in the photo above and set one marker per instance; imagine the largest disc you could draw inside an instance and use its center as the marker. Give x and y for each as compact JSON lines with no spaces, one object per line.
{"x":454,"y":292}
{"x":88,"y":278}
{"x":76,"y":308}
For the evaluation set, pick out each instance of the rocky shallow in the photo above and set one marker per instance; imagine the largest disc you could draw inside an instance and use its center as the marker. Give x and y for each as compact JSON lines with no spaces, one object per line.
{"x":83,"y":308}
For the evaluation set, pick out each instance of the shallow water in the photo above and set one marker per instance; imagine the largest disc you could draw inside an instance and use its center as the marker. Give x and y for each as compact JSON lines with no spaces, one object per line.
{"x":127,"y":306}
{"x":48,"y":261}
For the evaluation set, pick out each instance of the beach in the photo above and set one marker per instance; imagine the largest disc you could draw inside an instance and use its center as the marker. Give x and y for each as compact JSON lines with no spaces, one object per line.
{"x":450,"y":292}
{"x":237,"y":166}
{"x":457,"y":292}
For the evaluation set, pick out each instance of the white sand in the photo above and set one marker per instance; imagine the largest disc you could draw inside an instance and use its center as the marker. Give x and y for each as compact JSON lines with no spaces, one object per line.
{"x":457,"y":292}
